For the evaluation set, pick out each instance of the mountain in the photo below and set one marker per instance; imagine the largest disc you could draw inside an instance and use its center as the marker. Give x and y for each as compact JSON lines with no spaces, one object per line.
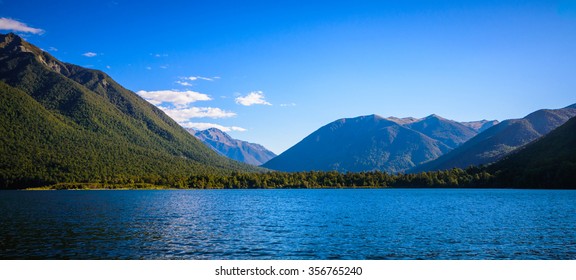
{"x":480,"y":126}
{"x":549,"y":162}
{"x":403,"y":121}
{"x":219,"y":141}
{"x":449,"y":132}
{"x":501,"y":139}
{"x":63,"y":123}
{"x":360,"y":144}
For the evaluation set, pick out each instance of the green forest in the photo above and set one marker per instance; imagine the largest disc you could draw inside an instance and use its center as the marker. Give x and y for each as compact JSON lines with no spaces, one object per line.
{"x":472,"y":177}
{"x":455,"y":178}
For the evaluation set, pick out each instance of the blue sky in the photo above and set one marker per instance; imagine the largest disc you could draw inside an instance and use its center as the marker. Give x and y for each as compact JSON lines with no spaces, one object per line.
{"x":272,"y":72}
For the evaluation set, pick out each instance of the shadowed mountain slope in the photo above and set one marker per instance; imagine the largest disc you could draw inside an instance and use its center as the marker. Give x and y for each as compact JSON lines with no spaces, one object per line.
{"x":63,"y":123}
{"x":549,"y":162}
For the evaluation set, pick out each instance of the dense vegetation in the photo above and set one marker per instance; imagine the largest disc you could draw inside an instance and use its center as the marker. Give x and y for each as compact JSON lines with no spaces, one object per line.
{"x":548,"y":162}
{"x":472,"y":177}
{"x":64,"y":123}
{"x":49,"y":150}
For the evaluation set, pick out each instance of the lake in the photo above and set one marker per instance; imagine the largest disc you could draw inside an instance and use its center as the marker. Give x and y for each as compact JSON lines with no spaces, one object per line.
{"x":289,"y":224}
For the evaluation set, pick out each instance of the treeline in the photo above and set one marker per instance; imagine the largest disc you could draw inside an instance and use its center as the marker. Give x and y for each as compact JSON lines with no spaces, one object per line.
{"x":471,"y":177}
{"x":455,"y":178}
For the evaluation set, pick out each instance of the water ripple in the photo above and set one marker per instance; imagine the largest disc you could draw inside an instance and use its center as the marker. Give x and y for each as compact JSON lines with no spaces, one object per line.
{"x":288,"y":224}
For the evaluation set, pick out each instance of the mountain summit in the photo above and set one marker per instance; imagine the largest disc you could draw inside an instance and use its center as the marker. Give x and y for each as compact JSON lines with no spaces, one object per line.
{"x":449,"y":132}
{"x":360,"y":144}
{"x":242,"y":151}
{"x":60,"y":122}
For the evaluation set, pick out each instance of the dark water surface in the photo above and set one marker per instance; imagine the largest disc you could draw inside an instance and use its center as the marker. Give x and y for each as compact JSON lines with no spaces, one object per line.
{"x":288,"y":224}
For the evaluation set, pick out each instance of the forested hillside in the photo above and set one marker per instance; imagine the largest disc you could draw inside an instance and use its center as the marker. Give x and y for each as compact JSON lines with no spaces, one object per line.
{"x":64,"y":123}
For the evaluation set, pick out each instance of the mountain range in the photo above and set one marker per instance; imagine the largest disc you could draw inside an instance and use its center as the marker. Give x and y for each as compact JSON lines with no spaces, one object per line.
{"x":374,"y":143}
{"x":64,"y":123}
{"x":242,"y":151}
{"x":414,"y":145}
{"x":501,"y":139}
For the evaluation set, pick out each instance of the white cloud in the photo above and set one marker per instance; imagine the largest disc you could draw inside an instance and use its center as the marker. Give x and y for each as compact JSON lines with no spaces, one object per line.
{"x":184,"y":83}
{"x":253,"y":98}
{"x":194,"y":78}
{"x":288,"y":104}
{"x":14,"y":25}
{"x":53,"y":49}
{"x":89,"y":54}
{"x":185,"y":114}
{"x":178,"y":98}
{"x":204,"y":126}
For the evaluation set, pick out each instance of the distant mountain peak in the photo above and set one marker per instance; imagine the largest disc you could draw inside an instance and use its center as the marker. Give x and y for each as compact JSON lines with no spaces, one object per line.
{"x":366,"y":117}
{"x":402,"y":121}
{"x":434,"y":116}
{"x":481,"y":125}
{"x":221,"y":142}
{"x":217,"y":134}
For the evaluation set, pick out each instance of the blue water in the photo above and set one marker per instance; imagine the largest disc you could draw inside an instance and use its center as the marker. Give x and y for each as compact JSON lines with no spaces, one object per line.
{"x":288,"y":224}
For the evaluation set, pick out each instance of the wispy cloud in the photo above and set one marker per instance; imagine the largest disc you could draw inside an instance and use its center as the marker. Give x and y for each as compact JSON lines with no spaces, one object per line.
{"x":52,"y":49}
{"x":204,"y":126}
{"x":178,"y":98}
{"x":14,"y":25}
{"x":184,"y":83}
{"x":182,"y":115}
{"x":288,"y":104}
{"x":158,"y":54}
{"x":89,"y":54}
{"x":194,"y":78}
{"x":253,"y":98}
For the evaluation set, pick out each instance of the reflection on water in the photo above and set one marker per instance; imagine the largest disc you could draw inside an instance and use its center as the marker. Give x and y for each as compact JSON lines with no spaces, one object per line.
{"x":288,"y":224}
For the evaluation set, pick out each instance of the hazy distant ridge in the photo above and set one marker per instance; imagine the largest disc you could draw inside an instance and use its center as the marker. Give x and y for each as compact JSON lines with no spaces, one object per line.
{"x":250,"y":153}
